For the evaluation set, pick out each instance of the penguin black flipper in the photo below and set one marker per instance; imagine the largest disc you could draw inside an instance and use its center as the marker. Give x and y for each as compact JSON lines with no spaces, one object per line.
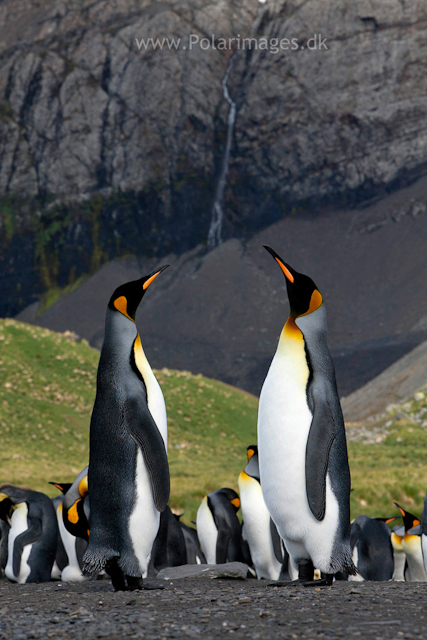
{"x":223,"y":543}
{"x":147,"y":436}
{"x":30,"y":536}
{"x":320,"y":439}
{"x":277,"y":541}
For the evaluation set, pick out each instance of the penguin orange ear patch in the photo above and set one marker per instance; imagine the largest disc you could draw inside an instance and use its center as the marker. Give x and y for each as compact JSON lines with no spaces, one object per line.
{"x":235,"y":502}
{"x":73,"y":515}
{"x":250,"y":453}
{"x":83,"y":487}
{"x":315,"y":302}
{"x":121,"y":304}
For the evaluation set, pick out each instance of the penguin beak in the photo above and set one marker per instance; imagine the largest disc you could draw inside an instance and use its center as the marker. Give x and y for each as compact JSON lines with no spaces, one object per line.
{"x":153,"y":276}
{"x":280,"y":262}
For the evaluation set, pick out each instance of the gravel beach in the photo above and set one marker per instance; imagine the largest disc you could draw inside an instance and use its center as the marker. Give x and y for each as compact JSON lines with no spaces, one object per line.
{"x":207,"y":608}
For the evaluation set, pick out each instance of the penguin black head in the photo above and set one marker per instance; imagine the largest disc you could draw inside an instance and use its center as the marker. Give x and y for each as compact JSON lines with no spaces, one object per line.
{"x":6,"y":508}
{"x":231,"y":495}
{"x":409,"y":520}
{"x":304,"y":296}
{"x":127,"y":297}
{"x":63,"y":487}
{"x":251,"y":451}
{"x":252,"y":468}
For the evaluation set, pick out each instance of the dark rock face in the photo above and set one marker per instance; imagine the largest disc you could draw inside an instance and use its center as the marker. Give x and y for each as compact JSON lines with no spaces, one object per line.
{"x":112,"y":146}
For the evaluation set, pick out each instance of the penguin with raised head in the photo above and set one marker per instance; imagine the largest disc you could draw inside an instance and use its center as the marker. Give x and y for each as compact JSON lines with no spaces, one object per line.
{"x":258,"y":528}
{"x":218,"y":527}
{"x":32,"y":536}
{"x":370,"y":540}
{"x":411,"y":545}
{"x":302,"y":447}
{"x":128,"y":475}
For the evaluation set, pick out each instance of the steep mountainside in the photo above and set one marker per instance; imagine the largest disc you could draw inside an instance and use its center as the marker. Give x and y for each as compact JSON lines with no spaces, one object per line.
{"x":109,"y":146}
{"x":220,"y":313}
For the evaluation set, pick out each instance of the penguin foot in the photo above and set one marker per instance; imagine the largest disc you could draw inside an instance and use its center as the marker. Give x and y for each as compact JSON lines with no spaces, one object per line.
{"x":286,"y":583}
{"x":326,"y":581}
{"x":133,"y":584}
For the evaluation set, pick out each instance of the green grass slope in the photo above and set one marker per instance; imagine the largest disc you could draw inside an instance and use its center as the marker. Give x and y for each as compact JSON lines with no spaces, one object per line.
{"x":47,"y":389}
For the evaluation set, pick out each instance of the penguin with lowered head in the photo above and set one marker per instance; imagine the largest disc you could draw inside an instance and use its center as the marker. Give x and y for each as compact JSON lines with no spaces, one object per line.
{"x":302,"y":447}
{"x":218,"y":527}
{"x":128,"y":477}
{"x":32,"y":536}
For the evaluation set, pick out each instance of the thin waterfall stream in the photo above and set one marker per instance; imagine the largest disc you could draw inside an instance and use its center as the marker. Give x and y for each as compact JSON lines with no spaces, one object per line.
{"x":215,"y":229}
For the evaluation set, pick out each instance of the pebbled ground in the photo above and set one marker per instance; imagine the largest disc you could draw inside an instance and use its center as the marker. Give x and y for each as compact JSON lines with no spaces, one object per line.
{"x":205,"y":608}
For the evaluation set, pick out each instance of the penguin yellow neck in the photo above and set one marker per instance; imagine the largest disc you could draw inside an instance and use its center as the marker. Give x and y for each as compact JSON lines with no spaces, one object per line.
{"x":140,"y":358}
{"x":291,"y":331}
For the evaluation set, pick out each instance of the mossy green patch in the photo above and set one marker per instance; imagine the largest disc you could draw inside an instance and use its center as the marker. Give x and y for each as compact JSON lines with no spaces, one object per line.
{"x":47,"y":390}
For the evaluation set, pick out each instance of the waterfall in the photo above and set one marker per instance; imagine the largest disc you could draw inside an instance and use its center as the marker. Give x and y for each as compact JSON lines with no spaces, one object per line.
{"x":215,"y":229}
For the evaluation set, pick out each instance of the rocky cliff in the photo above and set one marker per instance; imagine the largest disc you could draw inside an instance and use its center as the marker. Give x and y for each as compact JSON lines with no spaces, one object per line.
{"x":112,"y":143}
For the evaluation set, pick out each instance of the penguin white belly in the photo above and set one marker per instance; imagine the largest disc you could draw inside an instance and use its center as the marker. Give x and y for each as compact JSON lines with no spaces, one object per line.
{"x":399,"y":565}
{"x":155,"y":399}
{"x":257,"y":528}
{"x":72,"y":572}
{"x":412,"y":548}
{"x":357,"y":577}
{"x":19,"y":524}
{"x":424,"y":549}
{"x":284,"y":421}
{"x":207,"y":531}
{"x":145,"y":519}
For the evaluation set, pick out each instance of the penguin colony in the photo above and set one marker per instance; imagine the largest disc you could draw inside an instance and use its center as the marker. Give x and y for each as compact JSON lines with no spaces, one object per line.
{"x":294,"y":488}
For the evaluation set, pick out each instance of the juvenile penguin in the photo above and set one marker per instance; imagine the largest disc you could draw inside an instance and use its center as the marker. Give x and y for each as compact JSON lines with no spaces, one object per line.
{"x":411,"y":545}
{"x":33,"y":534}
{"x":128,"y":477}
{"x":302,"y":448}
{"x":258,"y":528}
{"x":218,"y":527}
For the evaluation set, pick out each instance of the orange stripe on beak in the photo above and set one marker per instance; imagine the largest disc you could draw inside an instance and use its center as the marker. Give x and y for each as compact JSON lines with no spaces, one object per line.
{"x":285,"y":270}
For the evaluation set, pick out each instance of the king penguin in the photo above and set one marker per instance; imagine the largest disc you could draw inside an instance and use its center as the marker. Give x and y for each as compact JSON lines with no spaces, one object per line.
{"x":258,"y":528}
{"x":424,"y":534}
{"x":370,"y":540}
{"x":32,"y":536}
{"x":411,"y":545}
{"x":128,"y":475}
{"x":218,"y":527}
{"x":71,"y":547}
{"x":302,"y":447}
